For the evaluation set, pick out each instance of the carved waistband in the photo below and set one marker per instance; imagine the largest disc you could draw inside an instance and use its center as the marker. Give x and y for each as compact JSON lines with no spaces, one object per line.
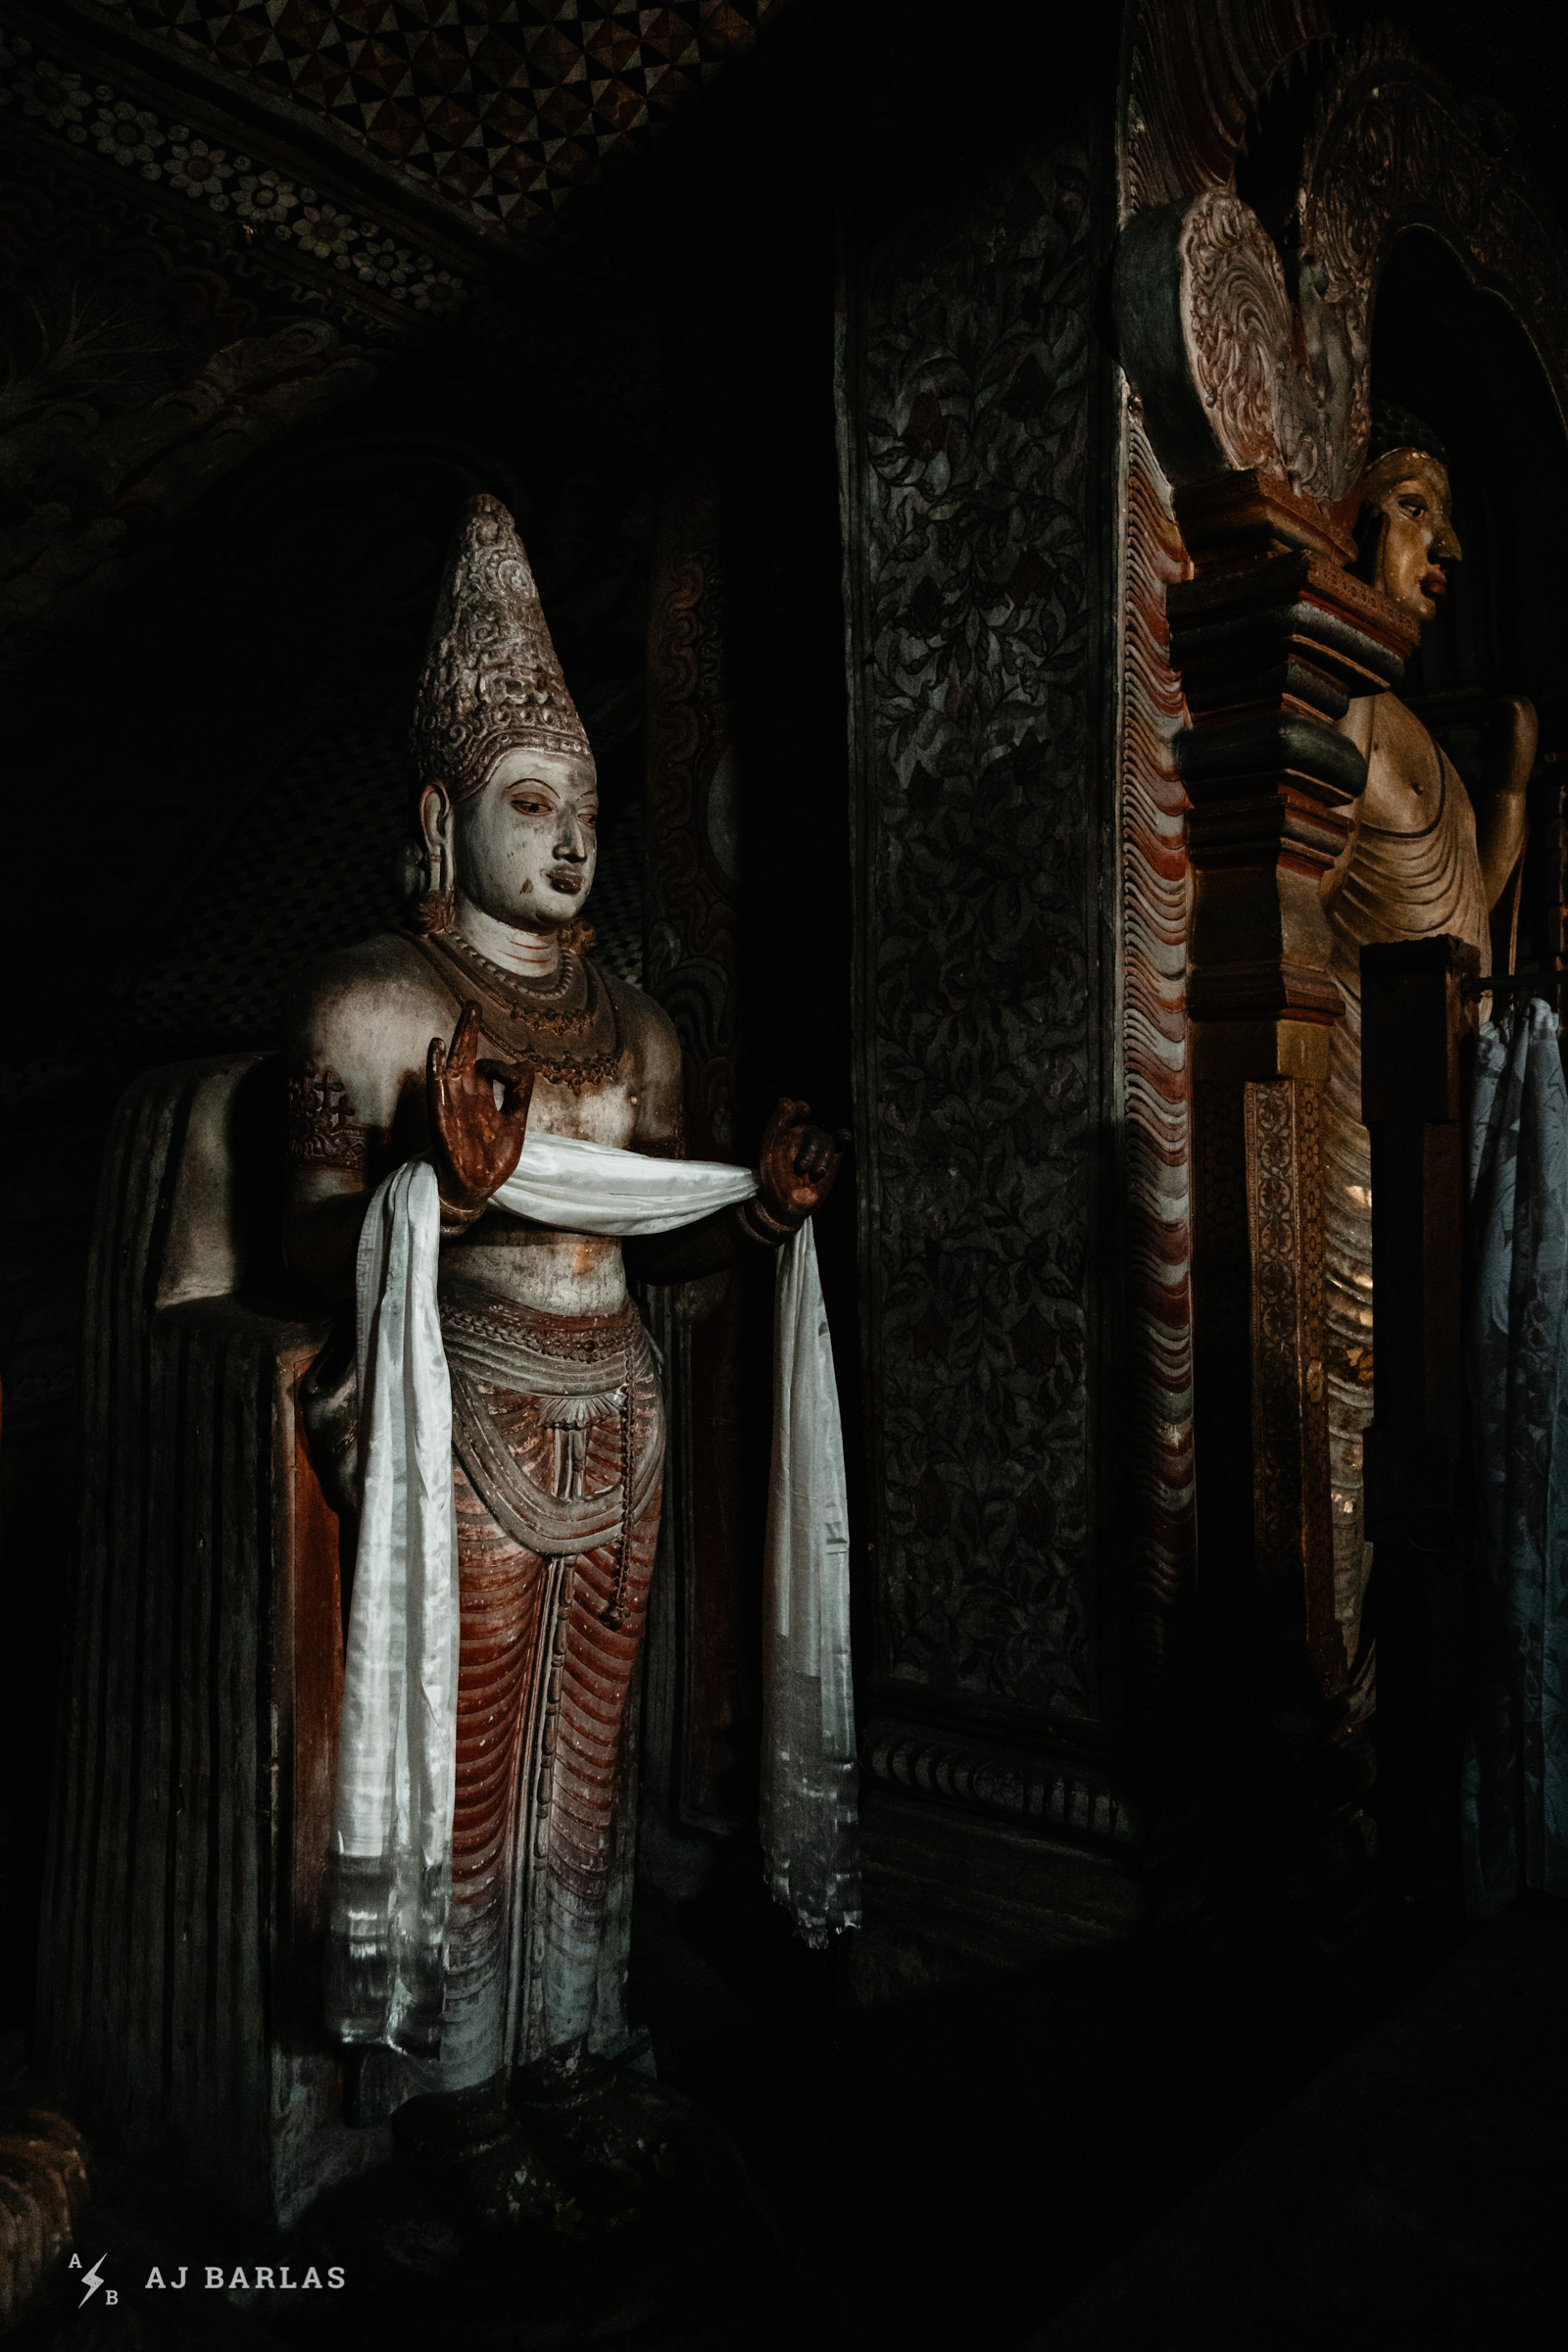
{"x":586,"y":1368}
{"x":539,"y":1354}
{"x":555,"y":1335}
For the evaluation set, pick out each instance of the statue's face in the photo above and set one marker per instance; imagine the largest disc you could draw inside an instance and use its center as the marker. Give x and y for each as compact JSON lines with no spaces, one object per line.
{"x":524,"y":845}
{"x":1410,"y":491}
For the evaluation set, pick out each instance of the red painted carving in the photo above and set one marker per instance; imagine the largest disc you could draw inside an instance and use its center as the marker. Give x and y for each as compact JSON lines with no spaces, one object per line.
{"x":1238,"y":320}
{"x":1155,"y":891}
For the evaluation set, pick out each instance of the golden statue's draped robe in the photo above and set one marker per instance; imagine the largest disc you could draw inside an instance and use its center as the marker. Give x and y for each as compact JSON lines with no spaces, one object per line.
{"x":1396,"y":884}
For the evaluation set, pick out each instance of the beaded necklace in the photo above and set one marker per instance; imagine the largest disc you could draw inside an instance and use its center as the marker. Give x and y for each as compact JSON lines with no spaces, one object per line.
{"x":515,"y":1014}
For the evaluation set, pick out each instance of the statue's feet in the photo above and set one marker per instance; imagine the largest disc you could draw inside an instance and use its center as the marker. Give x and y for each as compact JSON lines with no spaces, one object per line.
{"x":466,"y":2150}
{"x":588,"y":2206}
{"x":609,"y":2128}
{"x":635,"y":2154}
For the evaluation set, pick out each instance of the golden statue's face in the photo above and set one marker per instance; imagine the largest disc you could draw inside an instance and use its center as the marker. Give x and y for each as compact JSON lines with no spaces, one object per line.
{"x":1410,"y":491}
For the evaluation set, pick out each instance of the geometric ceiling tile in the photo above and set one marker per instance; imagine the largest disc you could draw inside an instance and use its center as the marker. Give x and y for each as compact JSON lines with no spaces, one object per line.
{"x":511,"y":114}
{"x":618,"y":109}
{"x":392,"y":128}
{"x":550,"y":55}
{"x":466,"y":173}
{"x":562,"y":110}
{"x":443,"y":85}
{"x":497,"y":56}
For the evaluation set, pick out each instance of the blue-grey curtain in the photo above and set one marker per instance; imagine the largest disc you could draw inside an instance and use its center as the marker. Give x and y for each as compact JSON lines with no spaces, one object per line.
{"x":1515,"y":1785}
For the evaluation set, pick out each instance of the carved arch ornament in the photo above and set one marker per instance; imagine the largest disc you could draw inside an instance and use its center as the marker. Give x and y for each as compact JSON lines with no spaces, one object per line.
{"x":1251,"y":338}
{"x":1246,"y":344}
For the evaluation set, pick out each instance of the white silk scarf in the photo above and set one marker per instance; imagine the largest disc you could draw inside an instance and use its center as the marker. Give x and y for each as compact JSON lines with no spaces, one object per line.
{"x":397,"y":1762}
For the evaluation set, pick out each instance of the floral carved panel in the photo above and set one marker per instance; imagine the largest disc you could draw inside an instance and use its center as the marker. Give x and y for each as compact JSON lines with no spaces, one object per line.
{"x":966,"y":451}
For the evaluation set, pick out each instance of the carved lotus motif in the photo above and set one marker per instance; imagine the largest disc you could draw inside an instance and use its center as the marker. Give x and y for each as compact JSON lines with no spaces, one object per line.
{"x":1239,"y":321}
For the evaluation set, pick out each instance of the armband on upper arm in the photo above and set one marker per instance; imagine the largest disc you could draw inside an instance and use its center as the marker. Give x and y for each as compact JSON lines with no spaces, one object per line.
{"x":322,"y":1129}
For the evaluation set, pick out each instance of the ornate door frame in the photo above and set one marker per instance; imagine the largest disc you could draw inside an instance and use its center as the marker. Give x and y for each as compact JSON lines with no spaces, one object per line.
{"x":1266,"y":168}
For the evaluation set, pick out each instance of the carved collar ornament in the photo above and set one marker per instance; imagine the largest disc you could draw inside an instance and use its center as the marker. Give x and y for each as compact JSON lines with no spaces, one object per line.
{"x":491,"y":684}
{"x":516,"y":1018}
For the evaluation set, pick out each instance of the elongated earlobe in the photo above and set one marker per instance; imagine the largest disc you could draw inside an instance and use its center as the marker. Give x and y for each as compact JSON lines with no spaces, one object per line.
{"x":435,"y":909}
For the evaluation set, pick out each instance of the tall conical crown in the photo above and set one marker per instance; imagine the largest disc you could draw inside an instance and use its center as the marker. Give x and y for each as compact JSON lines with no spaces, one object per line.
{"x":491,"y":681}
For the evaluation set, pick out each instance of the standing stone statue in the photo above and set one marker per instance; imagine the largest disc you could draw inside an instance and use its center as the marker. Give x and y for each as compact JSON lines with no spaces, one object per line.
{"x":1417,"y":864}
{"x":487,"y":1015}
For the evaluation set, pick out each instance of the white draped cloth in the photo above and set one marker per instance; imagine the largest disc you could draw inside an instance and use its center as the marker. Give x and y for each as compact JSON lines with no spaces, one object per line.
{"x":397,"y":1760}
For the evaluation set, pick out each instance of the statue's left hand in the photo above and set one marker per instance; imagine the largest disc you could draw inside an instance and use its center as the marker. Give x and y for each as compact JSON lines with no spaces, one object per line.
{"x":476,"y":1144}
{"x":1508,"y":756}
{"x":799,"y":1163}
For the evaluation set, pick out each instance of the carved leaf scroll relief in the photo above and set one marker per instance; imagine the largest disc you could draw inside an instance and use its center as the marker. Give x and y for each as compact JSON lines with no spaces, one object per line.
{"x":132,"y":388}
{"x":967,"y":475}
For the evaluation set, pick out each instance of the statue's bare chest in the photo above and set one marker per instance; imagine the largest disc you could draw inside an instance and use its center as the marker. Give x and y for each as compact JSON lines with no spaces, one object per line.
{"x":1408,"y":782}
{"x":599,"y":1113}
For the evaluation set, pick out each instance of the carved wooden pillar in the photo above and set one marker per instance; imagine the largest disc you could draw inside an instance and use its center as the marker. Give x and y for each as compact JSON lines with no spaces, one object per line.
{"x":1416,"y":1021}
{"x":1272,"y":639}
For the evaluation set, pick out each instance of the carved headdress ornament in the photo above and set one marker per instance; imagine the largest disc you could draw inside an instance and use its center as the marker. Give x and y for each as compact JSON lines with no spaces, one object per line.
{"x":491,"y":684}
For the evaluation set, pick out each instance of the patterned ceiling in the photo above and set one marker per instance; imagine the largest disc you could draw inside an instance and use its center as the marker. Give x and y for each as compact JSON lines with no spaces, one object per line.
{"x":506,"y":104}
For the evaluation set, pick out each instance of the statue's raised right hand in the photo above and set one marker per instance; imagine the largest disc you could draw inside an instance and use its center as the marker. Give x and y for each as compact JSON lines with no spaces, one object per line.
{"x":474,"y":1144}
